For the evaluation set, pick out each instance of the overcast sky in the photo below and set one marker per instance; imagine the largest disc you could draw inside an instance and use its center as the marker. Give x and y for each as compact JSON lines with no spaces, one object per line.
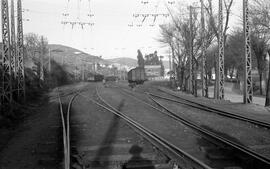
{"x":110,"y":36}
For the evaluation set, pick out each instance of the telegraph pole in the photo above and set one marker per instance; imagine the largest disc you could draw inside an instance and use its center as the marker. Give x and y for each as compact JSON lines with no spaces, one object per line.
{"x":20,"y":52}
{"x":6,"y":58}
{"x":191,"y":66}
{"x":82,"y":70}
{"x":13,"y":42}
{"x":49,"y":64}
{"x":220,"y":74}
{"x":203,"y":75}
{"x":49,"y":69}
{"x":248,"y":89}
{"x":41,"y":57}
{"x":170,"y":64}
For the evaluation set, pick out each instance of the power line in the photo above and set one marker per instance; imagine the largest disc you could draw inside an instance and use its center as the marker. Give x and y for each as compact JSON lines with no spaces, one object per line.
{"x":145,"y":14}
{"x":78,"y":21}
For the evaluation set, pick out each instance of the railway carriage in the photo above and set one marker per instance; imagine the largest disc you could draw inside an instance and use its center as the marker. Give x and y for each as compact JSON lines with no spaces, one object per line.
{"x":136,"y":76}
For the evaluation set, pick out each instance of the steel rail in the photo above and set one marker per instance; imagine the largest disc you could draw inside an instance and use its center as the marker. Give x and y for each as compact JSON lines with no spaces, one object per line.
{"x":214,"y":110}
{"x":63,"y":128}
{"x":197,"y":164}
{"x":66,"y":128}
{"x":208,"y":133}
{"x":237,"y":146}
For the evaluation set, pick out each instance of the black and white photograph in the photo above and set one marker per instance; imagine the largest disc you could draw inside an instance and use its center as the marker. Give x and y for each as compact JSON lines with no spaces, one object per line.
{"x":135,"y":84}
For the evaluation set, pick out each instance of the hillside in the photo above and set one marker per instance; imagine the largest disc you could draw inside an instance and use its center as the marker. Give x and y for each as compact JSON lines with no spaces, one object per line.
{"x":130,"y":62}
{"x":70,"y":54}
{"x":66,"y":56}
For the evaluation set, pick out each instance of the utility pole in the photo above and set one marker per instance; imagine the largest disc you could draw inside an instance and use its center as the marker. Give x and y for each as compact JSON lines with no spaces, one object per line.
{"x":203,"y":73}
{"x":248,"y":89}
{"x":220,"y":74}
{"x":49,"y":64}
{"x":20,"y":52}
{"x":170,"y":64}
{"x":76,"y":65}
{"x":6,"y":58}
{"x":13,"y":43}
{"x":82,"y":70}
{"x":41,"y":57}
{"x":50,"y":69}
{"x":191,"y":66}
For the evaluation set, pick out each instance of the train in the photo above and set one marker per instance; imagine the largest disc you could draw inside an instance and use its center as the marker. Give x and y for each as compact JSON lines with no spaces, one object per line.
{"x":137,"y":76}
{"x":111,"y":78}
{"x":94,"y":77}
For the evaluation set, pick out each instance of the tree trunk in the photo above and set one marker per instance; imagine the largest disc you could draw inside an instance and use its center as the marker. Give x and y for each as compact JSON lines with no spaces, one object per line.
{"x":182,"y":73}
{"x":260,"y":76}
{"x":206,"y":85}
{"x":231,"y":73}
{"x":267,"y":96}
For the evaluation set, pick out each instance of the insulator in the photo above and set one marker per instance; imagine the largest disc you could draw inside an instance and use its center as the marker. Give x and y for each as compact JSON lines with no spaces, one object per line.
{"x":165,"y":15}
{"x":65,"y":14}
{"x":144,"y":2}
{"x":171,"y":2}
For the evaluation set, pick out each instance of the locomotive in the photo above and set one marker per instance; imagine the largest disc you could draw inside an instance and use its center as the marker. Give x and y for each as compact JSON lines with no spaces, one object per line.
{"x":136,"y":76}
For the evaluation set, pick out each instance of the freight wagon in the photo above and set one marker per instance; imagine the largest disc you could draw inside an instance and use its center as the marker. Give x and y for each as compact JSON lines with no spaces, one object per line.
{"x":111,"y":78}
{"x":136,"y":76}
{"x":95,"y":77}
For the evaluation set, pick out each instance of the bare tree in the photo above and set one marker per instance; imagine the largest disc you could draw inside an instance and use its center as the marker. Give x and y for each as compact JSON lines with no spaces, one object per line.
{"x":213,"y":20}
{"x":36,"y":48}
{"x":177,"y":36}
{"x":260,"y":13}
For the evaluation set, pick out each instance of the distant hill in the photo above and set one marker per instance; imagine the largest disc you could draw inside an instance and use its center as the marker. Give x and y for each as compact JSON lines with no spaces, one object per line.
{"x":70,"y":54}
{"x":67,"y":56}
{"x":130,"y":62}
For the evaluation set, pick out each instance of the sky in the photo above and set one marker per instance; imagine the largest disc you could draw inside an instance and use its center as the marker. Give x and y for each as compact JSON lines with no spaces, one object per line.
{"x":110,"y":36}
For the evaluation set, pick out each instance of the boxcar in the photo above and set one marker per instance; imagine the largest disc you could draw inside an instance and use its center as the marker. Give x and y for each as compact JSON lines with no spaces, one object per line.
{"x":95,"y":77}
{"x":98,"y":78}
{"x":111,"y":78}
{"x":136,"y":75}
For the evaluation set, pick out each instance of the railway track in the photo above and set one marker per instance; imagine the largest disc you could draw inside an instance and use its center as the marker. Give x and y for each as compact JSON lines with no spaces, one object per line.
{"x":179,"y":157}
{"x":80,"y":150}
{"x":65,"y":120}
{"x":211,"y":109}
{"x":261,"y":161}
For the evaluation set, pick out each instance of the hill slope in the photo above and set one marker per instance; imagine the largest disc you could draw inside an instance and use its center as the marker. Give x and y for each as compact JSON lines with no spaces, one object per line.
{"x":70,"y":54}
{"x":70,"y":57}
{"x":130,"y":62}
